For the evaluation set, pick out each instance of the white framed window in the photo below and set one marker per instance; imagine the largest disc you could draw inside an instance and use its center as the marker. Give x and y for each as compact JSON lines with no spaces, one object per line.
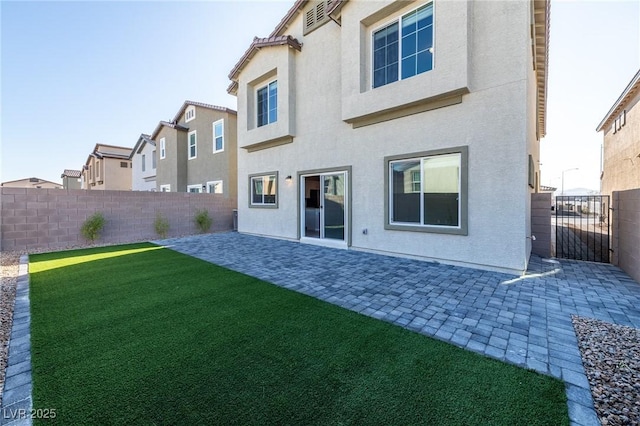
{"x":144,"y":163}
{"x":98,"y":169}
{"x":263,"y":190}
{"x":214,"y":187}
{"x":154,"y":162}
{"x":404,"y":47}
{"x":267,"y":104}
{"x":163,"y":149}
{"x":218,"y":136}
{"x":165,"y":188}
{"x":190,"y":113}
{"x":197,"y":188}
{"x":440,"y":203}
{"x":192,"y":137}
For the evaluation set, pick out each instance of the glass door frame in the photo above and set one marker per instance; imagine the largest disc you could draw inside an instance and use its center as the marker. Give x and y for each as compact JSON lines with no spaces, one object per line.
{"x":346,"y":173}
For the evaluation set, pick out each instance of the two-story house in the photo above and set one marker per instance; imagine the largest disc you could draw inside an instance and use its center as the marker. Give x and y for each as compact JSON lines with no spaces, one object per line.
{"x":400,"y":127}
{"x":197,"y":150}
{"x":621,"y":147}
{"x":143,"y":164}
{"x":108,"y":167}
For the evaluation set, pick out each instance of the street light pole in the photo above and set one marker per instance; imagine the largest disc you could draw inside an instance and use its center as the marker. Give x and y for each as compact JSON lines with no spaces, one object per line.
{"x":563,"y":172}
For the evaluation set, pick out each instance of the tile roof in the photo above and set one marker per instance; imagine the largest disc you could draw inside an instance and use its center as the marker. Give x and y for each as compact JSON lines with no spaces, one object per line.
{"x":201,"y":105}
{"x":627,"y":94}
{"x":172,"y":125}
{"x":71,"y":173}
{"x":144,"y":138}
{"x":256,"y":45}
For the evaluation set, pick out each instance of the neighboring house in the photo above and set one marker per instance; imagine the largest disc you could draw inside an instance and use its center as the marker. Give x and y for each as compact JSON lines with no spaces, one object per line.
{"x":621,"y":147}
{"x":197,"y":150}
{"x":143,"y":162}
{"x":405,"y":128}
{"x":108,"y":167}
{"x":32,"y":182}
{"x":71,"y":179}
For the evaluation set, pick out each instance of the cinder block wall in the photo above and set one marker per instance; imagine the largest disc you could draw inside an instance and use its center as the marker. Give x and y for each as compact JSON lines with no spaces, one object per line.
{"x":51,"y":218}
{"x":626,"y":231}
{"x":541,"y":224}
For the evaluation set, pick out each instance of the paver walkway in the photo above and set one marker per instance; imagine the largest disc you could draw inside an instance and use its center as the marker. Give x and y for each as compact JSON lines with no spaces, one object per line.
{"x":521,"y":320}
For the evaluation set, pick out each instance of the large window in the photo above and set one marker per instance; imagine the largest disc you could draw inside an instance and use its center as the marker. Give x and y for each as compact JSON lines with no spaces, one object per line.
{"x":197,"y":188}
{"x":403,"y":48}
{"x":267,"y":104}
{"x":218,"y":136}
{"x":193,"y":145}
{"x":263,"y":190}
{"x":427,"y":191}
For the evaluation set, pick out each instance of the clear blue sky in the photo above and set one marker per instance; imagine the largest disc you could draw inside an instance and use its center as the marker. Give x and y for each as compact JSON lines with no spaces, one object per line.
{"x":78,"y":73}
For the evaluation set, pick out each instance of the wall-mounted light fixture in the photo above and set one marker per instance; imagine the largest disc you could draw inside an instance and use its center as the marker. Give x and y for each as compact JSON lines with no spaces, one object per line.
{"x":288,"y":178}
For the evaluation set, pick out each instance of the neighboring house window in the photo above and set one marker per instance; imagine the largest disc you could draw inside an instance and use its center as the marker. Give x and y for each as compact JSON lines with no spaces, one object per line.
{"x":98,"y":169}
{"x":193,"y":145}
{"x":153,"y":160}
{"x":214,"y":187}
{"x":218,"y":136}
{"x":264,"y":190}
{"x":404,"y":47}
{"x":268,"y":104}
{"x":91,"y":172}
{"x":194,"y":188}
{"x":163,"y":150}
{"x":165,"y":188}
{"x":439,"y":204}
{"x":144,"y":166}
{"x":190,"y":113}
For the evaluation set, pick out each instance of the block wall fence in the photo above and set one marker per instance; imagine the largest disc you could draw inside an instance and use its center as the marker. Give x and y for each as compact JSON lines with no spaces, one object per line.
{"x":32,"y":218}
{"x":625,"y":235}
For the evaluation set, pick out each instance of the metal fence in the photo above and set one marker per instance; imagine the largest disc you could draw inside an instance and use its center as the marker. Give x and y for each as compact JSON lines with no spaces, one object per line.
{"x":582,"y":227}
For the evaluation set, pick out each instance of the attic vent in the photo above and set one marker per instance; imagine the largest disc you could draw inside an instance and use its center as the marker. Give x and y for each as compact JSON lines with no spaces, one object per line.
{"x":34,"y":180}
{"x":315,"y":16}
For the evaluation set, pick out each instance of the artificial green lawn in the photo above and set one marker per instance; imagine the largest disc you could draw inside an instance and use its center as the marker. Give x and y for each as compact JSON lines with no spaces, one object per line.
{"x":139,"y":334}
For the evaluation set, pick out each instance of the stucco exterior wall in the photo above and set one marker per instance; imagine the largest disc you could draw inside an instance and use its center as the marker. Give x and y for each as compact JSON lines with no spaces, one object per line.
{"x":144,"y":180}
{"x":488,"y":51}
{"x":51,"y":218}
{"x":621,"y":159}
{"x":626,"y":231}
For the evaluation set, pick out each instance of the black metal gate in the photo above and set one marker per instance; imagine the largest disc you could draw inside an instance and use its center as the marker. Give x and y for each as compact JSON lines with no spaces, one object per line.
{"x":582,"y":227}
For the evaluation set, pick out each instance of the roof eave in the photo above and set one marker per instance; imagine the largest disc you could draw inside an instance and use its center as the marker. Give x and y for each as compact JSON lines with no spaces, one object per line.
{"x":622,"y":100}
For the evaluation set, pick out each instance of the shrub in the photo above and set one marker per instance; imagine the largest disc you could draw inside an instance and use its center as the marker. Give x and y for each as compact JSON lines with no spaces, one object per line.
{"x":92,"y":227}
{"x":161,"y":225}
{"x":203,"y":220}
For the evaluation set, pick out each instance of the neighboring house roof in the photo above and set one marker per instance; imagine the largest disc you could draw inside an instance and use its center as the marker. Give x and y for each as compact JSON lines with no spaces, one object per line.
{"x":101,"y":151}
{"x":256,"y":45}
{"x":627,"y":94}
{"x":71,"y":173}
{"x":142,"y":140}
{"x":33,"y":181}
{"x":162,"y":124}
{"x":201,"y":105}
{"x":544,"y":188}
{"x":540,"y":48}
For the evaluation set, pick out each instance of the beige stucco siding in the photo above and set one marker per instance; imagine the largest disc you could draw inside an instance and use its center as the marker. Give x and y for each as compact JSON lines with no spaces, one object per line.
{"x":621,"y":151}
{"x":489,"y":57}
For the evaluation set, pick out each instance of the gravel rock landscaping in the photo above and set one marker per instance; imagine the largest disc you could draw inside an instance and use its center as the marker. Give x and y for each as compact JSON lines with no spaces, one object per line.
{"x":611,"y":359}
{"x":9,"y":263}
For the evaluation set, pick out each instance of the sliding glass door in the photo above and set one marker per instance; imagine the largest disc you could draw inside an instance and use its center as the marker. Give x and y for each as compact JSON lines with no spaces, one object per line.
{"x":324,"y":206}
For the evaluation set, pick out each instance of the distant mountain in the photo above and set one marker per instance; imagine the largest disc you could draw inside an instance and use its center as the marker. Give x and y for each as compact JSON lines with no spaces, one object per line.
{"x":577,"y":191}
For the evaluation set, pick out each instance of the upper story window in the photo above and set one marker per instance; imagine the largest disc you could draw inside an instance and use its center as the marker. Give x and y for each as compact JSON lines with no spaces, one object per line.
{"x":153,"y":159}
{"x":190,"y":113}
{"x":218,"y":136}
{"x":404,"y":47}
{"x":268,"y":104}
{"x":193,"y":145}
{"x":98,"y":169}
{"x":144,"y":163}
{"x":165,"y":188}
{"x":163,"y":149}
{"x":124,"y":164}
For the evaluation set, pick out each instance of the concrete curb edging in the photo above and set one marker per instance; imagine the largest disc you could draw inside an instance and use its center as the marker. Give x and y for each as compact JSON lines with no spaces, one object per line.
{"x":17,"y":404}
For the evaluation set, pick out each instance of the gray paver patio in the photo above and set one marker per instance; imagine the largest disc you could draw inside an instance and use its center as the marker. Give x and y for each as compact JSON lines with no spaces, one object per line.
{"x":521,"y":320}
